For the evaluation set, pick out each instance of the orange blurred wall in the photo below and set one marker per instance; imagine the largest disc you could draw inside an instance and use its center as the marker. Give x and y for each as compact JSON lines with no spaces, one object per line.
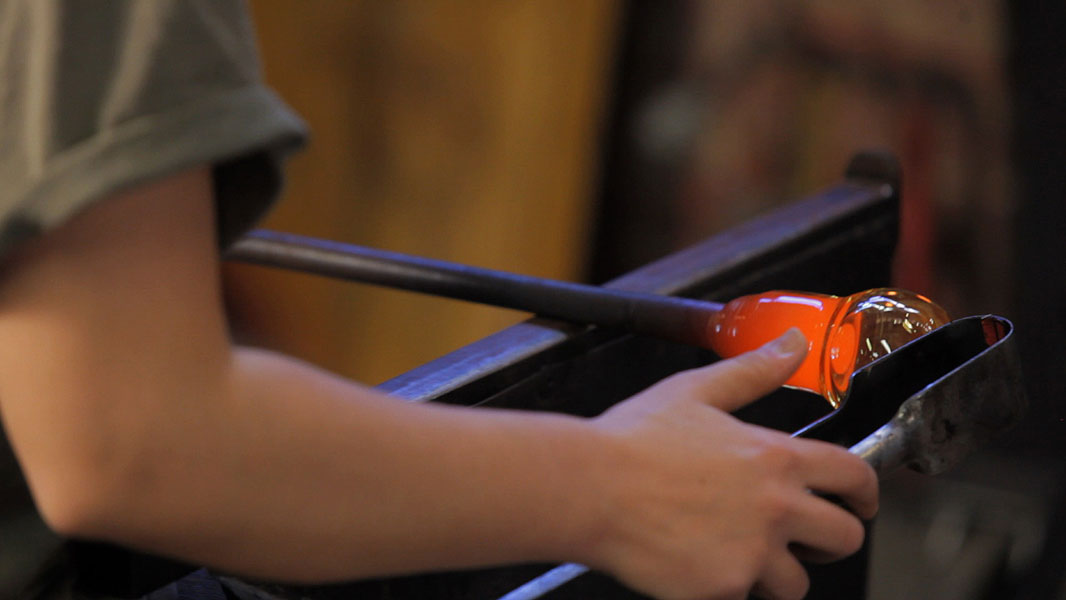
{"x":463,"y":131}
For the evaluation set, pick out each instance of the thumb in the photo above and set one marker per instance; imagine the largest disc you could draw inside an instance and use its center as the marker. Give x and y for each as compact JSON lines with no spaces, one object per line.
{"x":738,"y":381}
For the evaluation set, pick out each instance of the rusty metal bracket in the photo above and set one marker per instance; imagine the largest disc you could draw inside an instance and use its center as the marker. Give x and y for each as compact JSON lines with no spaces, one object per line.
{"x":934,"y":401}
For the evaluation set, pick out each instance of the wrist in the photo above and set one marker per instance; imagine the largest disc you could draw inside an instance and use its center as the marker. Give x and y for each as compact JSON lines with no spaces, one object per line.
{"x":565,"y":519}
{"x":593,"y":497}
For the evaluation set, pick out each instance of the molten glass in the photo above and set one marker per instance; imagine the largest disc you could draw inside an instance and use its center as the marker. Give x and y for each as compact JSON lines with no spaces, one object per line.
{"x":843,"y":334}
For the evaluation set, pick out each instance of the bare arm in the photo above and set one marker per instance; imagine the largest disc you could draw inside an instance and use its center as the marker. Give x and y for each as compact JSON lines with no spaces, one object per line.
{"x":136,"y":421}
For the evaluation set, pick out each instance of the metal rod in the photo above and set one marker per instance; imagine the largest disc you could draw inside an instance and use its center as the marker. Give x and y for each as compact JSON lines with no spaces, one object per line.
{"x":537,"y":587}
{"x":677,"y":319}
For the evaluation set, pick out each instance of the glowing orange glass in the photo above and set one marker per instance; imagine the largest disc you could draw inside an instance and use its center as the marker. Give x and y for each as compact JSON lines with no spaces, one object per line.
{"x":843,"y":334}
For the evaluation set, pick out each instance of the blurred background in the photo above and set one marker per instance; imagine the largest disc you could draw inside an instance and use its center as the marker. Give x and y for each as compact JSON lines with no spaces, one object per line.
{"x":579,"y":139}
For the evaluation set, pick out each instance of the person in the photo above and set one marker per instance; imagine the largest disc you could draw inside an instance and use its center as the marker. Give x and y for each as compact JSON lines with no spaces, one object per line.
{"x":135,"y":138}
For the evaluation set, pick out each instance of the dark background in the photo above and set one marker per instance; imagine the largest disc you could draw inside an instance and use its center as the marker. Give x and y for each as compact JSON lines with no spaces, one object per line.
{"x":979,"y":127}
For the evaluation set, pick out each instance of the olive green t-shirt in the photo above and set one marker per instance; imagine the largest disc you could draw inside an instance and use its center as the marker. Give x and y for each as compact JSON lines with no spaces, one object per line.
{"x":99,"y":95}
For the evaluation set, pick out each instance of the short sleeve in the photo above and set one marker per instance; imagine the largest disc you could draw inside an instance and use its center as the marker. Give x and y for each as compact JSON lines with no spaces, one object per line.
{"x":97,"y":96}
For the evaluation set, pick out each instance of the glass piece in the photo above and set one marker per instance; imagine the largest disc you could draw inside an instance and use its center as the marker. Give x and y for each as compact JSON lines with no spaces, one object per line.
{"x":843,"y":334}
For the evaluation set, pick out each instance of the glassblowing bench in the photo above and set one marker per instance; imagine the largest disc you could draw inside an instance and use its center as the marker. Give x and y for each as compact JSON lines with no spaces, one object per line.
{"x":837,"y":241}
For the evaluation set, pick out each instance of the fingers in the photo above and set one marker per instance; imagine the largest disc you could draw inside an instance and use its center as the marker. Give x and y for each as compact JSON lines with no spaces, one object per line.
{"x":818,"y":531}
{"x":821,"y":529}
{"x":784,"y":578}
{"x":733,"y":383}
{"x":824,"y":532}
{"x":830,"y":469}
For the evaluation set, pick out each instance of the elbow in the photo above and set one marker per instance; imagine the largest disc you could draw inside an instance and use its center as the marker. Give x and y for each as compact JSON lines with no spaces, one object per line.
{"x":88,"y":496}
{"x":73,"y":511}
{"x":119,"y":475}
{"x":113,"y":470}
{"x":82,"y":502}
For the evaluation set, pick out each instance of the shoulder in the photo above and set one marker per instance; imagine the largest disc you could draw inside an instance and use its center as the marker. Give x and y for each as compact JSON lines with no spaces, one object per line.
{"x":102,"y":96}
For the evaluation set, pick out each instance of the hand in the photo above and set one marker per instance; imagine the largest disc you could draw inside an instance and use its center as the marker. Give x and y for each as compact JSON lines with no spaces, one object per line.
{"x":702,"y":505}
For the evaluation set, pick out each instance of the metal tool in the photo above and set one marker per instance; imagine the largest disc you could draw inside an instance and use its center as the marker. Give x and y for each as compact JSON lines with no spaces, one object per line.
{"x":670,"y":317}
{"x":843,"y":333}
{"x":927,"y":406}
{"x":932,"y":402}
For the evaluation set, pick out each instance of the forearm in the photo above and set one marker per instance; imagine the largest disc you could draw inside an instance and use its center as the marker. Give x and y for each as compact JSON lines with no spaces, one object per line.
{"x":314,"y":478}
{"x":136,"y":421}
